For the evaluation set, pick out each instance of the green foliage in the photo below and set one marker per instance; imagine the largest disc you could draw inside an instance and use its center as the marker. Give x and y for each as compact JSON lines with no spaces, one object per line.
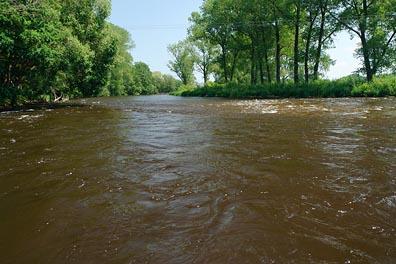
{"x":60,"y":49}
{"x":52,"y":50}
{"x":184,"y":58}
{"x":263,"y":41}
{"x":165,"y":83}
{"x":121,"y":73}
{"x":379,"y":87}
{"x":373,"y":22}
{"x":345,"y":87}
{"x":29,"y":35}
{"x":143,"y":83}
{"x":188,"y":90}
{"x":206,"y":52}
{"x":270,"y":41}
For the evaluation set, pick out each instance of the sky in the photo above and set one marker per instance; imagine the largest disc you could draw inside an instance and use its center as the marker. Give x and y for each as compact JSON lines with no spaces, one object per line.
{"x":155,"y":24}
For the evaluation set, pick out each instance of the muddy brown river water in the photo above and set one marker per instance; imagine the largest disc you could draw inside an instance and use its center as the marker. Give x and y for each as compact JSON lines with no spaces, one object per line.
{"x":163,"y":179}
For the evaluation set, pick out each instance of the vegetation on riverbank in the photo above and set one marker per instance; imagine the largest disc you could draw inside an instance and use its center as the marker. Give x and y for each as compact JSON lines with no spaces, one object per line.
{"x":52,"y":50}
{"x":280,"y":48}
{"x":351,"y":86}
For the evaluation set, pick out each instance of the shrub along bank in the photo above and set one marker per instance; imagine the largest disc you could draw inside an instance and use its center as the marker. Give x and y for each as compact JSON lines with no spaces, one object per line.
{"x":351,"y":86}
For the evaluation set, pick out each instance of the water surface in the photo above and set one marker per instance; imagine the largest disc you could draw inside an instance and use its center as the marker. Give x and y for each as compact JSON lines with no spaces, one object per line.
{"x":164,"y":179}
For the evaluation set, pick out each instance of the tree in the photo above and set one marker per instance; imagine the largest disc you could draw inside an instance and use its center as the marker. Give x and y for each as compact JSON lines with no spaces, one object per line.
{"x":183,"y":61}
{"x":328,"y":26}
{"x":87,"y":20}
{"x":29,"y":48}
{"x":317,"y":36}
{"x":260,"y":39}
{"x":52,"y":48}
{"x":253,"y":24}
{"x":218,"y":22}
{"x":296,"y":51}
{"x":121,"y":74}
{"x":276,"y":10}
{"x":169,"y":84}
{"x":165,"y":83}
{"x":205,"y":50}
{"x":374,"y":23}
{"x":143,"y":80}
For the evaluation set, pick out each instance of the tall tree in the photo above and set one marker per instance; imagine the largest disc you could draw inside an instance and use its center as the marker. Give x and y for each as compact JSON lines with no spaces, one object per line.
{"x":52,"y":47}
{"x":121,"y":75}
{"x":259,"y":39}
{"x":297,"y":23}
{"x":283,"y":20}
{"x":165,"y":83}
{"x":183,"y":61}
{"x":87,"y":20}
{"x":374,"y":23}
{"x":29,"y":47}
{"x":312,"y":14}
{"x":144,"y":82}
{"x":328,"y":26}
{"x":253,"y":22}
{"x":275,"y":8}
{"x":219,"y":23}
{"x":206,"y":51}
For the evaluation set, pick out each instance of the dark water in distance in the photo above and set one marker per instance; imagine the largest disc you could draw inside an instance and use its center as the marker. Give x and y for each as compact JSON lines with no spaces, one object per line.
{"x":164,"y":179}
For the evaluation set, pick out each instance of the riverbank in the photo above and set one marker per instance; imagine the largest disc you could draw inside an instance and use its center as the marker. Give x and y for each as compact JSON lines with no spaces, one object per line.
{"x":351,"y":86}
{"x":39,"y":105}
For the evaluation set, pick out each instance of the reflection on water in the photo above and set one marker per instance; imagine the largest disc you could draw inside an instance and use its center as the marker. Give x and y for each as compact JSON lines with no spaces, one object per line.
{"x":173,"y":180}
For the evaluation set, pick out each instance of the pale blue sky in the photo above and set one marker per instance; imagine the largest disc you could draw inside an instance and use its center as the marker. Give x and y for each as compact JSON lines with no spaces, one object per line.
{"x":154,"y":24}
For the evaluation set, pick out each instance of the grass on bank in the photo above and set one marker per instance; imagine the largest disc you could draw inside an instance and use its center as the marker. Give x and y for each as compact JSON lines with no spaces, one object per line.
{"x":351,"y":86}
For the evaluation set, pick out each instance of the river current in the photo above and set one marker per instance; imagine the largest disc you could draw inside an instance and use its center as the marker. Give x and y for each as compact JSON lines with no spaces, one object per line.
{"x":161,"y":179}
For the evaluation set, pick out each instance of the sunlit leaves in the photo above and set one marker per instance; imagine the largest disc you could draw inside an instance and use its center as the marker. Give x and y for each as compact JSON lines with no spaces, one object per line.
{"x":183,"y":61}
{"x":52,"y":47}
{"x":374,"y":23}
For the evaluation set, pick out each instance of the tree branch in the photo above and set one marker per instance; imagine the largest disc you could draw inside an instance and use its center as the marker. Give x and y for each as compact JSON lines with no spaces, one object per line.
{"x":344,"y":24}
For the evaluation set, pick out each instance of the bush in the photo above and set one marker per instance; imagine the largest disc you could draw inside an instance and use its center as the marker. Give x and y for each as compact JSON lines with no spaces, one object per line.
{"x":379,"y":87}
{"x":353,"y":85}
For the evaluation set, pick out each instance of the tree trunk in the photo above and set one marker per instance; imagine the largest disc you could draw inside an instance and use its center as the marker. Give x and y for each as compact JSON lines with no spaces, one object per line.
{"x":206,"y":64}
{"x":269,"y":79}
{"x":320,"y":43}
{"x":278,"y":53}
{"x":296,"y":44}
{"x":233,"y":66}
{"x":366,"y":54}
{"x":224,"y":62}
{"x":253,"y":71}
{"x":261,"y":68}
{"x":312,"y":19}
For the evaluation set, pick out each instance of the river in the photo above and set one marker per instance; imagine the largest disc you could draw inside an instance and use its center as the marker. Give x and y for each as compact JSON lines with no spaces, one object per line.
{"x":161,"y":179}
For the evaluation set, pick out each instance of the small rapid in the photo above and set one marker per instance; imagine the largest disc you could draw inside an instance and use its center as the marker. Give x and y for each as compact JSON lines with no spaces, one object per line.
{"x":161,"y":179}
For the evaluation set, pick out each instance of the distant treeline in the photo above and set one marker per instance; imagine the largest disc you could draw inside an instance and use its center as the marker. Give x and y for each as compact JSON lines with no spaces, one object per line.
{"x":57,"y":49}
{"x":263,"y":42}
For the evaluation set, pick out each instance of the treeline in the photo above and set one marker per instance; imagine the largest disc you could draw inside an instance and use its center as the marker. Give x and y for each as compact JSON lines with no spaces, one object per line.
{"x":280,"y":41}
{"x":53,"y":49}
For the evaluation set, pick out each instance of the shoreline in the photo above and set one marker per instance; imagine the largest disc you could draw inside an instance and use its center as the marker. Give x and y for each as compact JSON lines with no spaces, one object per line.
{"x":39,"y":106}
{"x":341,"y":88}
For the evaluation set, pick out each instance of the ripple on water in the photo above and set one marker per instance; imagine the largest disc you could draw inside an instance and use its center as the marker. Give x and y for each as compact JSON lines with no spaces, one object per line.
{"x":389,"y":202}
{"x":176,"y":180}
